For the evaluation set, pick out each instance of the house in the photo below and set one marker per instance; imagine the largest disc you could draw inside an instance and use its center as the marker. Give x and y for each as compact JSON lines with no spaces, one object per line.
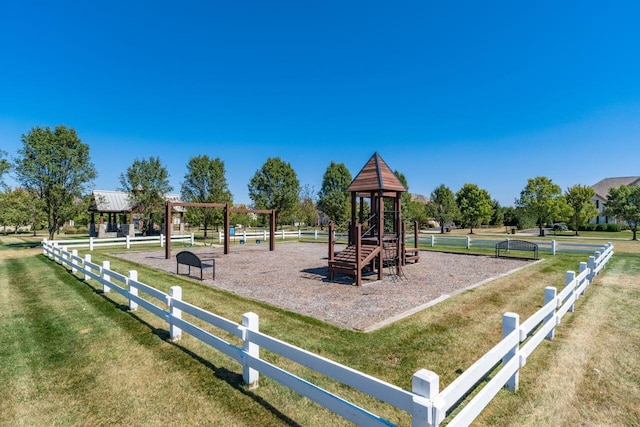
{"x":601,"y":189}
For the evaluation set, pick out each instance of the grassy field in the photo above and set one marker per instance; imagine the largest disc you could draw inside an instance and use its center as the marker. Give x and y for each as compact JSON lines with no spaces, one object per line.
{"x":74,"y":356}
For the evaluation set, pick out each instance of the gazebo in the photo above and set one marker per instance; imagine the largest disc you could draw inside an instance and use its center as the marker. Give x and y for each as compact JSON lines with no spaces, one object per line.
{"x":115,"y":206}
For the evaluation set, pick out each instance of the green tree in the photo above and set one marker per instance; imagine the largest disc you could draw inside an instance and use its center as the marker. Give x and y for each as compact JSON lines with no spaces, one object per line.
{"x":244,"y":219}
{"x":443,"y":207}
{"x":205,"y":182}
{"x":623,"y":203}
{"x":5,"y":166}
{"x":308,"y":213}
{"x":55,"y":165}
{"x":542,"y":200}
{"x":497,"y":218}
{"x":416,"y":211}
{"x":580,"y":200}
{"x":475,"y":205}
{"x":406,"y":196}
{"x":147,"y":182}
{"x":20,"y":208}
{"x":276,"y":186}
{"x":333,"y":198}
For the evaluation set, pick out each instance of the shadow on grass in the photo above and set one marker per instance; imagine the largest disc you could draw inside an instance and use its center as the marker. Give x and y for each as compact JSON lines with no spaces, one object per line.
{"x":232,"y":378}
{"x":21,"y":245}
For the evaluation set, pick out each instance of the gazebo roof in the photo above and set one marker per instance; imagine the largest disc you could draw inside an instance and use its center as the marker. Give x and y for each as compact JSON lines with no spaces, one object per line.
{"x":109,"y":201}
{"x":376,"y":175}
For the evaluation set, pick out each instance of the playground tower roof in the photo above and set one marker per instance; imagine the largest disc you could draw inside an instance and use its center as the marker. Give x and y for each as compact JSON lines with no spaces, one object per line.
{"x":376,"y":175}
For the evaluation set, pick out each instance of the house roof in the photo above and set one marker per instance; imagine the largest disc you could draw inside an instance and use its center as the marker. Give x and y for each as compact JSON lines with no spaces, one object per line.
{"x":374,"y":176}
{"x":602,"y":187}
{"x":420,"y":198}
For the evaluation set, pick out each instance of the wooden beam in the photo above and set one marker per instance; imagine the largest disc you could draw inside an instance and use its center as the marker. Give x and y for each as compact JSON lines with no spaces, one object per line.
{"x":167,"y":230}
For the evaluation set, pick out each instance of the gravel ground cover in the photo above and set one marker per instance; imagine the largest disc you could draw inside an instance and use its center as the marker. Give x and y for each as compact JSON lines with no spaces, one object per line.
{"x":294,"y":277}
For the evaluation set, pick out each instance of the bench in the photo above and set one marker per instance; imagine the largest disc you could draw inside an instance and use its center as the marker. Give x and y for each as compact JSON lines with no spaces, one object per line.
{"x":509,"y":246}
{"x":192,"y":260}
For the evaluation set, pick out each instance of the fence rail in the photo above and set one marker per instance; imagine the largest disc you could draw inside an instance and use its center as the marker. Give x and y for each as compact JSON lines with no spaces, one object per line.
{"x":431,"y":240}
{"x":425,"y":403}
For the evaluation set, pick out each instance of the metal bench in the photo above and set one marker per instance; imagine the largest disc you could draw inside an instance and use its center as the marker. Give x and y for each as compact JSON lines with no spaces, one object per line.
{"x":192,"y":260}
{"x":509,"y":246}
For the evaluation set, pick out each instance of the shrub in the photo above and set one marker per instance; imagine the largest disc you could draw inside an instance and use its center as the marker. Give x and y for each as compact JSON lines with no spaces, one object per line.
{"x":613,"y":227}
{"x":601,"y":227}
{"x":74,"y":230}
{"x":587,"y":227}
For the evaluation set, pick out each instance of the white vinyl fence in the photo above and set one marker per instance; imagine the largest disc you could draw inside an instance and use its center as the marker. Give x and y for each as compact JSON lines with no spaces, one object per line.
{"x":551,"y":246}
{"x":127,"y":241}
{"x":426,"y":404}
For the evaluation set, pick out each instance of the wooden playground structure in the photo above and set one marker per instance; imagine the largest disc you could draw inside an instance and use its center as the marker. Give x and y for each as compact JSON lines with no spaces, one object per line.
{"x":377,"y":241}
{"x":227,"y":227}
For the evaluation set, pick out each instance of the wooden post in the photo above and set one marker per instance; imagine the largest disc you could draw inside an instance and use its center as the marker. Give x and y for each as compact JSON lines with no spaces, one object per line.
{"x":251,"y":323}
{"x":380,"y":232}
{"x":331,"y":241}
{"x":272,"y":230}
{"x":226,"y":229}
{"x":167,"y":230}
{"x":358,"y":251}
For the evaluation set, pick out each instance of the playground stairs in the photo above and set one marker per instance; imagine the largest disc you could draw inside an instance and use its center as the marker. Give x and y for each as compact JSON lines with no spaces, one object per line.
{"x":345,"y":262}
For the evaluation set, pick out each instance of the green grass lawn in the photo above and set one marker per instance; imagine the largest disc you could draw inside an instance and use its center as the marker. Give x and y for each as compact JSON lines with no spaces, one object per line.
{"x":74,"y":356}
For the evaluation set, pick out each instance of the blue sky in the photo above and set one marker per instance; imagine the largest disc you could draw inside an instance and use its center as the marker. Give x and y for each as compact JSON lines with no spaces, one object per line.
{"x":447,"y":92}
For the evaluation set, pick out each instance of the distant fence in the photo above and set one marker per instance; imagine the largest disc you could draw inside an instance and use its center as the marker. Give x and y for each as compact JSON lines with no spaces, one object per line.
{"x":127,"y":242}
{"x":551,"y":246}
{"x":432,"y":240}
{"x":426,"y":404}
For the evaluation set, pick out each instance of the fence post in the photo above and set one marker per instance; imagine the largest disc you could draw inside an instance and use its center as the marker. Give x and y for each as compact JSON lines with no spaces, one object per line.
{"x":568,"y":278}
{"x":283,"y":234}
{"x":510,"y":323}
{"x":425,"y":385}
{"x":583,"y":267}
{"x":315,"y":234}
{"x":250,"y":376}
{"x":192,"y":240}
{"x":106,"y":265}
{"x":91,"y":244}
{"x":299,"y":234}
{"x":128,"y":241}
{"x":592,"y":267}
{"x":87,"y":258}
{"x":553,"y":247}
{"x":175,"y":292}
{"x":468,"y":242}
{"x":63,"y":257}
{"x":133,"y":276}
{"x":74,"y":254}
{"x":433,"y":240}
{"x":220,"y":237}
{"x":161,"y":240}
{"x":549,"y":295}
